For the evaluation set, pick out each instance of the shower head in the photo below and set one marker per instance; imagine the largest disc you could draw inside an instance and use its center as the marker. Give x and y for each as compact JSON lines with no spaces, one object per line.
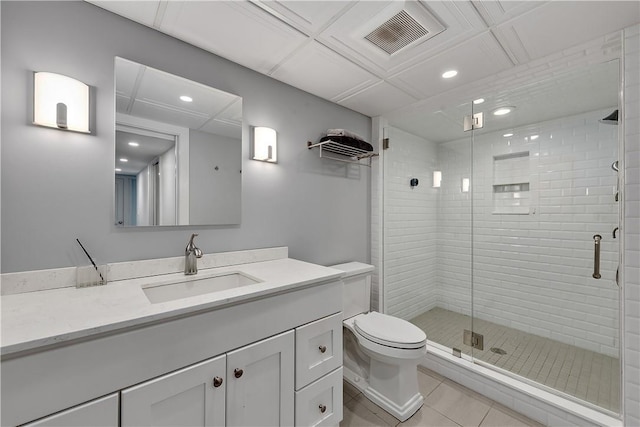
{"x":611,"y":119}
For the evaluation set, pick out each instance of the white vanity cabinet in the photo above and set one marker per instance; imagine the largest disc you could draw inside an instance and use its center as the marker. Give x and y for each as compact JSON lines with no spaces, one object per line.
{"x":260,"y":383}
{"x":250,"y":386}
{"x":274,"y":347}
{"x":101,"y":412}
{"x":193,"y":396}
{"x":319,"y":372}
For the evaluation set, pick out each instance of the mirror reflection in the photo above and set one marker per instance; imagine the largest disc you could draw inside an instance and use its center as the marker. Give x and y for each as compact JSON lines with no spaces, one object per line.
{"x":178,"y":150}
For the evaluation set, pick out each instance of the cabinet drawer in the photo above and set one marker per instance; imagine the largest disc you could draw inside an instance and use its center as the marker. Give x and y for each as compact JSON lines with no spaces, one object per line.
{"x":318,"y":349}
{"x":320,"y":403}
{"x":100,"y":412}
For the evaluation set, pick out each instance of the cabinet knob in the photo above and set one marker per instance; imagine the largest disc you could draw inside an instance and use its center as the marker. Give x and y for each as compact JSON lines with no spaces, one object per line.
{"x":322,"y":348}
{"x":217,"y":381}
{"x":322,"y":408}
{"x":238,"y":372}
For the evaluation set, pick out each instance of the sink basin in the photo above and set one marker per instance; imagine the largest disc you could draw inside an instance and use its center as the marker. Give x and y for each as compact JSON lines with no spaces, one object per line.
{"x":190,"y":286}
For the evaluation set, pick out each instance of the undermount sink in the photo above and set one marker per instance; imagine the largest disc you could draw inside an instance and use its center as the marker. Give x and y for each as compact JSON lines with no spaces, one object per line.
{"x":190,"y":286}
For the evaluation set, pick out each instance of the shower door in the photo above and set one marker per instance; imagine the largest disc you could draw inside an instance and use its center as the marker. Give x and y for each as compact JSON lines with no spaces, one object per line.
{"x":545,"y":249}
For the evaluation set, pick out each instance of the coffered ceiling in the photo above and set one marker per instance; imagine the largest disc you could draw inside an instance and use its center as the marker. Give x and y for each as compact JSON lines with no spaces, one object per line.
{"x":322,"y":47}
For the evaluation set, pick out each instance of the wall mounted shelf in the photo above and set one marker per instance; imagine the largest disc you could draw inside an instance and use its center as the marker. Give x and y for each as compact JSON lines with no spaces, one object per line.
{"x":349,"y":154}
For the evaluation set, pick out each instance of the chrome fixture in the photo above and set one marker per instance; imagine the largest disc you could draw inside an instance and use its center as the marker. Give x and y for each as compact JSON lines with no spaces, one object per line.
{"x":611,"y":119}
{"x":596,"y":256}
{"x":191,"y":255}
{"x":614,"y":166}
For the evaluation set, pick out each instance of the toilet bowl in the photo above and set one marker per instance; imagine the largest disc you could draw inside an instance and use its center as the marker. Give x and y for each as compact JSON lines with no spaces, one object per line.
{"x":381,"y":352}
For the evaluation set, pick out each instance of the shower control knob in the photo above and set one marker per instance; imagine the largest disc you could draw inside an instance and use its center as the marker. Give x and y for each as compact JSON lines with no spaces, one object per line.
{"x":322,"y":348}
{"x":322,"y":408}
{"x":217,"y":381}
{"x":238,"y":372}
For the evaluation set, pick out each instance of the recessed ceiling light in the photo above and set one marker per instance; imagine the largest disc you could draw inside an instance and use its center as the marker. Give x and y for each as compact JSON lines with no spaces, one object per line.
{"x":533,"y":137}
{"x":123,"y":160}
{"x":507,"y":135}
{"x":118,"y":170}
{"x":186,"y":98}
{"x":478,"y":101}
{"x":133,"y":144}
{"x":449,"y":74}
{"x":502,"y":111}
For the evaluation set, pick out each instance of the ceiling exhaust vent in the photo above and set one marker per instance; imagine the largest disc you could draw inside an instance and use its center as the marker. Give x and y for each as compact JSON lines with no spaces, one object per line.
{"x":398,"y":32}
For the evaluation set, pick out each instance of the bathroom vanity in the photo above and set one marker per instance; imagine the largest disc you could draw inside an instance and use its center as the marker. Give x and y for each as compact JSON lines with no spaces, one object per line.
{"x":261,"y":349}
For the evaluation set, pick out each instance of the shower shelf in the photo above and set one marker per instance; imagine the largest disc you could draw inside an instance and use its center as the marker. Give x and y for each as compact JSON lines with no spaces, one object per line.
{"x":354,"y":155}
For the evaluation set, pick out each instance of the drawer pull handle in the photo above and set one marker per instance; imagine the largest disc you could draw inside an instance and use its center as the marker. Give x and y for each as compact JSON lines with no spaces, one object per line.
{"x":322,"y":348}
{"x":217,"y":381}
{"x":238,"y":372}
{"x":322,"y":408}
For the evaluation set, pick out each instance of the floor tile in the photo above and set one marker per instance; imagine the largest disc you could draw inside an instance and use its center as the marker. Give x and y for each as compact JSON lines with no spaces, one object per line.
{"x":378,"y":411}
{"x":497,"y":418}
{"x":458,"y":406}
{"x":427,"y":383}
{"x":513,"y":414}
{"x":428,"y":417}
{"x":582,"y":373}
{"x":350,"y":390}
{"x":356,"y":415}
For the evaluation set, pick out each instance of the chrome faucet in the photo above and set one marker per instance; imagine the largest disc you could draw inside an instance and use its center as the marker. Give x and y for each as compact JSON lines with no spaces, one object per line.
{"x":191,"y":255}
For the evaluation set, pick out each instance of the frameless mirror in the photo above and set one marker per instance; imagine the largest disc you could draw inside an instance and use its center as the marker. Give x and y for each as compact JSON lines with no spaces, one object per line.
{"x":178,"y":150}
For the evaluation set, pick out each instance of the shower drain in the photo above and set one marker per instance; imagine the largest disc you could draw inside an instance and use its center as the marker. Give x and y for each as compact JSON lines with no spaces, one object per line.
{"x":498,"y":350}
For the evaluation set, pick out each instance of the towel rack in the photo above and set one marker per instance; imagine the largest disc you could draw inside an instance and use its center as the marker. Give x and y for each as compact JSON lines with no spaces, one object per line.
{"x":354,"y":155}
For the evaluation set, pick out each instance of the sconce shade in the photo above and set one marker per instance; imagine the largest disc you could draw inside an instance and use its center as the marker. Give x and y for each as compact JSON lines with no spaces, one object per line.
{"x":437,"y":179}
{"x":60,"y":102}
{"x":265,"y":144}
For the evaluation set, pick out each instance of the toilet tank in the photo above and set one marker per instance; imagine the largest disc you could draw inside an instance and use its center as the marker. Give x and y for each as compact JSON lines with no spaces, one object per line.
{"x":356,"y":292}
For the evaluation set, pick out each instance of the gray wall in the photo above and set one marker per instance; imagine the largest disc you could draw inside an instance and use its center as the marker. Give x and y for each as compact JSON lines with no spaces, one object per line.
{"x":215,"y":176}
{"x":58,"y":186}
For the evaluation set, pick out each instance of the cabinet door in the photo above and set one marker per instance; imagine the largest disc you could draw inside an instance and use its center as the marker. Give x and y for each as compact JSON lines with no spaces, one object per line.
{"x":193,"y":396}
{"x":99,"y":412}
{"x":260,"y":383}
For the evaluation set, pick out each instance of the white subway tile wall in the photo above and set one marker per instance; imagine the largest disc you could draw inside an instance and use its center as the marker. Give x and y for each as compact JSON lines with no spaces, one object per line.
{"x":631,"y":230}
{"x":453,"y":264}
{"x":410,"y":226}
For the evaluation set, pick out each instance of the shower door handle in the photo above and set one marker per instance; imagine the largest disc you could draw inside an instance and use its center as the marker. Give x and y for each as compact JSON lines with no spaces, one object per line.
{"x":596,"y":256}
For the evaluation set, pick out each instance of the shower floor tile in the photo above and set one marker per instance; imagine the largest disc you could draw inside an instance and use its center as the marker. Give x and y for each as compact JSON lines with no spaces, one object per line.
{"x":590,"y":376}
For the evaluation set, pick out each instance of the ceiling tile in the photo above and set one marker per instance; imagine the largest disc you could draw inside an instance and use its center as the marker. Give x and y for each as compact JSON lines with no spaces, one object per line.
{"x":495,"y":12}
{"x":347,"y":34}
{"x":306,"y":16}
{"x":558,"y":25}
{"x":246,"y":34}
{"x":478,"y":58}
{"x":318,"y":70}
{"x":377,"y":99}
{"x":143,"y":12}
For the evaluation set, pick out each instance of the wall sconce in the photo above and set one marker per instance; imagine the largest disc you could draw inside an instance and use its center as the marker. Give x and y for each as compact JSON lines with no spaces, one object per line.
{"x":265,"y":143}
{"x":465,"y":185}
{"x":437,"y":179}
{"x":60,"y":102}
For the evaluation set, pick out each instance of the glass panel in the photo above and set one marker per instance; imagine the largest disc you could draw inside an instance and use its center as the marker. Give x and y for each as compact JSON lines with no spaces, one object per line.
{"x":543,"y":187}
{"x":427,"y":225}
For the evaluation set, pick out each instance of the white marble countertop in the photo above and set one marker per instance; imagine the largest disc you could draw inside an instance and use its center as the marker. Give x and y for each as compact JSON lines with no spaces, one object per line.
{"x":37,"y":319}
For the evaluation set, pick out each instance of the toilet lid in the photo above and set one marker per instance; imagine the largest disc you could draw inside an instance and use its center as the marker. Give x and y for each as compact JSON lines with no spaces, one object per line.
{"x":389,"y":331}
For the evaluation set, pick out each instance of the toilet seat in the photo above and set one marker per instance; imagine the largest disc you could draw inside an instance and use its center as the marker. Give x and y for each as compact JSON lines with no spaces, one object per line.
{"x":389,"y":331}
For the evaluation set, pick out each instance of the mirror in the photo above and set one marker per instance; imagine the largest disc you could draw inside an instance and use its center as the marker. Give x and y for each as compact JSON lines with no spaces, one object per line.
{"x":178,"y":150}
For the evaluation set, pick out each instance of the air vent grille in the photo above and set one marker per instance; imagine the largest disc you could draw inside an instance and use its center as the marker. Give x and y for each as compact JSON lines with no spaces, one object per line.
{"x":399,"y":31}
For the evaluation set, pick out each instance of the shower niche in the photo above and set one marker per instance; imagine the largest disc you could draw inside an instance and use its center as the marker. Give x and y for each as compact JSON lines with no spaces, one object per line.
{"x":511,"y":195}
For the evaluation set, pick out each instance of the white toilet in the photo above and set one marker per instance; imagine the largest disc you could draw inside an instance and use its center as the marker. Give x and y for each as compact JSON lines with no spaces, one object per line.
{"x":381,"y":352}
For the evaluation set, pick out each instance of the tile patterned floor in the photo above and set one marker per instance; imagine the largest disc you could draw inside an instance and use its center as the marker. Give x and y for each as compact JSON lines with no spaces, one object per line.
{"x":587,"y":375}
{"x":443,"y":401}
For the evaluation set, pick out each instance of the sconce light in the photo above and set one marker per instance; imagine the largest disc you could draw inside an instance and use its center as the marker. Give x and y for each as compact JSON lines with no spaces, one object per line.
{"x":60,"y":102}
{"x":437,"y":179}
{"x":265,"y":144}
{"x":465,"y":185}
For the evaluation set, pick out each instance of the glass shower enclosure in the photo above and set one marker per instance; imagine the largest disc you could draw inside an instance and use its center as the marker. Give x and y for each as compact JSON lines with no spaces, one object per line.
{"x":506,"y":252}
